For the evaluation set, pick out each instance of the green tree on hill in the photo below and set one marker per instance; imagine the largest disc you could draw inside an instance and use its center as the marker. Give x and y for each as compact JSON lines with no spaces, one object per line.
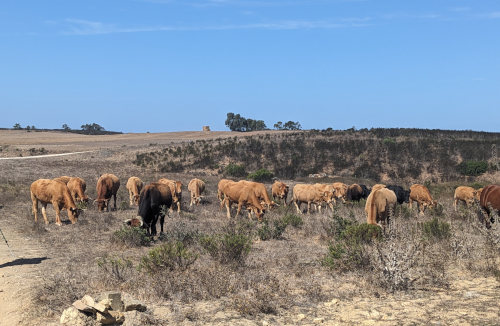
{"x":235,"y":122}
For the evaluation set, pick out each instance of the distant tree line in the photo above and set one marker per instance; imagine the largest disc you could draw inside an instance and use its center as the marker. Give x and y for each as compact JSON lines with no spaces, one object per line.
{"x":235,"y":122}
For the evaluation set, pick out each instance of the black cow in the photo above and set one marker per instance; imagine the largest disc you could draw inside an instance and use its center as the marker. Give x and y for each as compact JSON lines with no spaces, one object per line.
{"x":402,"y":195}
{"x":355,"y":192}
{"x":151,"y":200}
{"x":366,"y":191}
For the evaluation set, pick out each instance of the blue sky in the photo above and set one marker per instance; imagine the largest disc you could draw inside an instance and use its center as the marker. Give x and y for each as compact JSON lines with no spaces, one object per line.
{"x":172,"y":65}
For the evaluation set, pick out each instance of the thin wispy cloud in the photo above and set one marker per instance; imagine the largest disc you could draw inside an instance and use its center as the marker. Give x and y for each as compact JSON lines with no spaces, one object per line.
{"x":86,"y":27}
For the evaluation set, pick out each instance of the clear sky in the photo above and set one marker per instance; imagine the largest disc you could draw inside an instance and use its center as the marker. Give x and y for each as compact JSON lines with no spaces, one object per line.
{"x":172,"y":65}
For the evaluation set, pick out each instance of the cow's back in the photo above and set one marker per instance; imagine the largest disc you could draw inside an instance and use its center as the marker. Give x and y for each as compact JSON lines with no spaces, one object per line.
{"x":464,"y":193}
{"x":420,"y":193}
{"x":48,"y":191}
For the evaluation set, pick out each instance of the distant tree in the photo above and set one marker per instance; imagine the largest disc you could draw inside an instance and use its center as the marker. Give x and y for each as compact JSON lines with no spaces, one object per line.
{"x":278,"y":125}
{"x":17,"y":126}
{"x":236,"y":122}
{"x":66,"y":127}
{"x":33,"y":128}
{"x":28,"y":128}
{"x":92,"y":128}
{"x":290,"y":125}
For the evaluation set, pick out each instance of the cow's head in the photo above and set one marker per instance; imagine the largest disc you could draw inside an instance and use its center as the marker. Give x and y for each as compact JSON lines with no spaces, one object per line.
{"x":259,"y":213}
{"x":406,"y":196}
{"x":73,"y":214}
{"x":134,"y":222}
{"x":102,"y":204}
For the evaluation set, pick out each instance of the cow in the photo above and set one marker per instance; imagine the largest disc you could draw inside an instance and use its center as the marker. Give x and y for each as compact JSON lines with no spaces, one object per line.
{"x":279,"y":190}
{"x":380,"y":205}
{"x":76,"y":186}
{"x":176,"y":191}
{"x":366,"y":191}
{"x":243,"y":194}
{"x":467,"y":195}
{"x":134,"y":187}
{"x":420,"y":194}
{"x":152,"y":198}
{"x":402,"y":195}
{"x":355,"y":192}
{"x":325,"y":188}
{"x":107,"y":187}
{"x":310,"y":194}
{"x":221,"y":186}
{"x":260,"y":191}
{"x":490,"y":199}
{"x":340,"y":191}
{"x":196,"y":187}
{"x":56,"y":193}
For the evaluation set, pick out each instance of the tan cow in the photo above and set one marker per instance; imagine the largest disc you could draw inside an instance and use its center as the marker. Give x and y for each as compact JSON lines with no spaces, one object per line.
{"x":134,"y":187}
{"x":340,"y":191}
{"x":196,"y":187}
{"x":279,"y":190}
{"x":325,"y":188}
{"x":380,"y":205}
{"x":260,"y":191}
{"x":221,"y":186}
{"x":176,"y":190}
{"x":420,"y":194}
{"x":243,"y":194}
{"x":310,"y":194}
{"x":467,"y":195}
{"x":107,"y":187}
{"x":76,"y":186}
{"x":56,"y":193}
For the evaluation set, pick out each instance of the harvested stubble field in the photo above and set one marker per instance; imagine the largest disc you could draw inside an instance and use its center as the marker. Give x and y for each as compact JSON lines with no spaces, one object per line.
{"x":441,"y":268}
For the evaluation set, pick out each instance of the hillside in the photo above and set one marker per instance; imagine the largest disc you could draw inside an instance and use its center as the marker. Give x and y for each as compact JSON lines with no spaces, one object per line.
{"x":378,"y":154}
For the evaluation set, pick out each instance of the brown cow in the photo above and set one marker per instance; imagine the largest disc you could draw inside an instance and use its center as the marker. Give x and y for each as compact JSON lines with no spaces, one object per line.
{"x":490,"y":199}
{"x":76,"y":186}
{"x":220,"y":186}
{"x":176,"y":190}
{"x":56,"y":193}
{"x":243,"y":194}
{"x":196,"y":187}
{"x":325,"y":188}
{"x":422,"y":196}
{"x":279,"y":190}
{"x":340,"y":191}
{"x":134,"y":187}
{"x":310,"y":194}
{"x":260,"y":191}
{"x":467,"y":195}
{"x":380,"y":205}
{"x":107,"y":187}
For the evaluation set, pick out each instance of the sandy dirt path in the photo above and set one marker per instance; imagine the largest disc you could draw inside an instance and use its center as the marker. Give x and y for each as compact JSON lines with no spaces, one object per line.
{"x":18,"y":274}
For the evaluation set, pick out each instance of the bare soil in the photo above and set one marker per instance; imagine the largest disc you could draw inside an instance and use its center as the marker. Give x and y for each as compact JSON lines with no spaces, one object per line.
{"x":316,"y":295}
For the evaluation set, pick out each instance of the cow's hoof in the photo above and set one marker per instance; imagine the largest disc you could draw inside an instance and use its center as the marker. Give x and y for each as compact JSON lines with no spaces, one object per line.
{"x":59,"y":224}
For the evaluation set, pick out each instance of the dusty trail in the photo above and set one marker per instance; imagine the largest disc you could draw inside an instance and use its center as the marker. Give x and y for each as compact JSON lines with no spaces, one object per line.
{"x":18,"y":274}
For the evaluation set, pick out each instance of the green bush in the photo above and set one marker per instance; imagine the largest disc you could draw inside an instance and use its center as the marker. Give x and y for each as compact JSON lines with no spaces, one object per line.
{"x":473,"y":168}
{"x":118,"y":269}
{"x":227,"y":248}
{"x":235,"y":170}
{"x":261,"y":175}
{"x":169,"y":256}
{"x":361,"y":233}
{"x":434,"y":229}
{"x":131,"y":237}
{"x":266,"y":232}
{"x":294,"y":220}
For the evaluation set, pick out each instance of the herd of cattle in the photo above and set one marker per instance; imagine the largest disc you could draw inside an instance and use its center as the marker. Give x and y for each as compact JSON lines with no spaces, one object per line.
{"x":64,"y":192}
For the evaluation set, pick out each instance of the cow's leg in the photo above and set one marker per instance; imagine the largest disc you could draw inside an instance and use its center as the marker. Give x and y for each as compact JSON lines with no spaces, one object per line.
{"x":228,"y":206}
{"x":297,"y":206}
{"x":58,"y":213}
{"x":319,"y":207}
{"x":410,"y":202}
{"x":114,"y":199}
{"x":34,"y":206}
{"x":455,"y":202}
{"x":162,"y":220}
{"x":239,"y":208}
{"x":44,"y":213}
{"x":131,"y":198}
{"x":421,"y":208}
{"x":308,"y":207}
{"x":153,"y":225}
{"x":178,"y":206}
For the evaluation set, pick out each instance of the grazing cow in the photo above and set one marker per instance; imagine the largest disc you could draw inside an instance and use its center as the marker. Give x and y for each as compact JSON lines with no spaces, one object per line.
{"x":221,"y":186}
{"x":402,"y":195}
{"x":196,"y":187}
{"x":260,"y":191}
{"x":279,"y":190}
{"x":243,"y":194}
{"x":134,"y":187}
{"x":76,"y":186}
{"x":152,"y":198}
{"x":310,"y":194}
{"x":355,"y":192}
{"x":176,"y":190}
{"x":490,"y":199}
{"x":325,"y":188}
{"x":467,"y":195}
{"x":56,"y":193}
{"x":340,"y":191}
{"x":107,"y":187}
{"x":380,"y":205}
{"x":422,"y":196}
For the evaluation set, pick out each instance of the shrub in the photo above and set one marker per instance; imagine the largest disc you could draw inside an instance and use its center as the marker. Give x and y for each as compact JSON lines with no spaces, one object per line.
{"x":361,"y":233}
{"x":473,"y":168}
{"x":235,"y":170}
{"x":294,"y":220}
{"x":267,"y":232}
{"x":261,"y":175}
{"x":169,"y":256}
{"x":131,"y":237}
{"x":227,"y":248}
{"x":434,"y":229}
{"x":124,"y":205}
{"x":118,"y":269}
